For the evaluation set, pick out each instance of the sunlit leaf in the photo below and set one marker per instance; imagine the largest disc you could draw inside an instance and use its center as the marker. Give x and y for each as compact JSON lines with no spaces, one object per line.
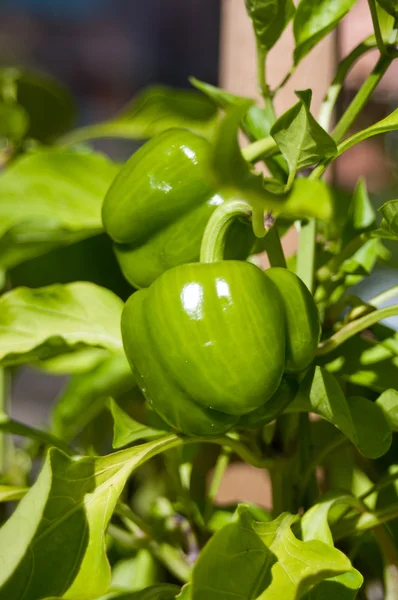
{"x":359,"y":419}
{"x":388,"y":402}
{"x":314,"y":19}
{"x":389,"y":224}
{"x":255,"y":560}
{"x":48,"y":199}
{"x":269,"y":18}
{"x":128,"y":431}
{"x":45,"y":322}
{"x":390,"y":6}
{"x":54,"y":543}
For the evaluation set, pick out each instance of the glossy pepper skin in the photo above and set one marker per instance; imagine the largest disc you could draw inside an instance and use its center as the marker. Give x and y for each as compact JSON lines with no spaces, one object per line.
{"x":158,"y":206}
{"x":207,"y":342}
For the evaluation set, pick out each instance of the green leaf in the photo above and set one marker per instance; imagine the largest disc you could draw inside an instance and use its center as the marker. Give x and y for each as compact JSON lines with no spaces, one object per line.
{"x":128,"y":431}
{"x":302,"y":141}
{"x":359,"y":419}
{"x":314,"y":19}
{"x":10,"y":493}
{"x":135,"y":573}
{"x":388,"y":402}
{"x":361,"y":214}
{"x":86,"y":395}
{"x":315,"y":526}
{"x":232,"y":173}
{"x":14,"y":121}
{"x":368,"y":360}
{"x":50,"y":107}
{"x":48,"y":199}
{"x":16,"y":428}
{"x":263,"y":561}
{"x":80,"y":361}
{"x":386,"y":22}
{"x":54,"y":543}
{"x":164,"y":591}
{"x":44,"y":322}
{"x":389,"y":224}
{"x":390,"y":6}
{"x":269,"y":19}
{"x":151,"y":112}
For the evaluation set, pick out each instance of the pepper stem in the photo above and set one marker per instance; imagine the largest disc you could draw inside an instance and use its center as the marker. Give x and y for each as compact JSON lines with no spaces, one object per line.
{"x":214,"y":237}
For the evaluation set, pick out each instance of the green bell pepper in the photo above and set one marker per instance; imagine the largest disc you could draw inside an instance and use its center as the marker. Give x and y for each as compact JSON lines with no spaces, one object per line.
{"x":211,"y":342}
{"x":158,"y":206}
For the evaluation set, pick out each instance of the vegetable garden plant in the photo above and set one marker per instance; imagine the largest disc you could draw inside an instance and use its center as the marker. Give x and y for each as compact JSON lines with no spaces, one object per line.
{"x":211,"y":360}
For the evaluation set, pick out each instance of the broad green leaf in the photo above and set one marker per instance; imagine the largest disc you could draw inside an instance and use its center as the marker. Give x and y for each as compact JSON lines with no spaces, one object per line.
{"x":359,"y":419}
{"x":389,"y":224}
{"x":128,"y":431}
{"x":16,"y":428}
{"x":135,"y":573}
{"x":54,"y":543}
{"x":309,"y":198}
{"x":80,"y":361}
{"x":361,"y":214}
{"x":313,"y":20}
{"x":302,"y":141}
{"x":86,"y":395}
{"x":151,"y":112}
{"x":368,"y":360}
{"x":50,"y":107}
{"x":269,"y":18}
{"x":390,"y":6}
{"x":14,"y":121}
{"x":315,"y":526}
{"x":10,"y":493}
{"x":254,"y":560}
{"x":48,"y":199}
{"x":390,"y":123}
{"x":44,"y":322}
{"x":388,"y":402}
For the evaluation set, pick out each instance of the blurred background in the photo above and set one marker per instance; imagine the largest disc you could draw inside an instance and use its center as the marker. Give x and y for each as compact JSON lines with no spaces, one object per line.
{"x":105,"y":51}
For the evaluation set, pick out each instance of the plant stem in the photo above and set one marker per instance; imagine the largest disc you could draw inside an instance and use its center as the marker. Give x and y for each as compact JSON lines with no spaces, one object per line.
{"x":390,"y":558}
{"x":329,"y":102}
{"x":384,"y":296}
{"x":3,"y":410}
{"x":361,"y":98}
{"x":306,"y":254}
{"x":262,"y":83}
{"x":376,"y":27}
{"x":273,"y":247}
{"x":218,"y":474}
{"x":348,"y":331}
{"x":340,"y":440}
{"x":266,"y":147}
{"x":214,"y":237}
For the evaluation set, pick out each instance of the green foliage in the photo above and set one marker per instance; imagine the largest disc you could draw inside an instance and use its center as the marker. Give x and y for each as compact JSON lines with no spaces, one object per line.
{"x":91,"y":526}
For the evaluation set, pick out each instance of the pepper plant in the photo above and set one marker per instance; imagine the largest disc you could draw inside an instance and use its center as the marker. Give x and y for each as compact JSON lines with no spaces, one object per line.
{"x":212,"y":360}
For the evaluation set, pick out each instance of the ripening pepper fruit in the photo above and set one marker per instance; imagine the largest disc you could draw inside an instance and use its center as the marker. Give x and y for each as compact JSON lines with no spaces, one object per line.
{"x":210,"y":342}
{"x":158,"y":206}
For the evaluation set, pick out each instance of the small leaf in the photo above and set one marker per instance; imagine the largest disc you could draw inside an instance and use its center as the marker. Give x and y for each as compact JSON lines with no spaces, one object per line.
{"x":14,"y":121}
{"x":54,"y":543}
{"x":314,"y":19}
{"x":302,"y":141}
{"x":135,"y":573}
{"x":128,"y":431}
{"x":255,"y":560}
{"x":10,"y":493}
{"x":359,"y":419}
{"x":386,"y":22}
{"x":86,"y":395}
{"x":151,"y":112}
{"x":39,"y":95}
{"x":361,"y":214}
{"x":389,"y":224}
{"x":390,"y":6}
{"x":388,"y":402}
{"x":48,"y":199}
{"x":269,"y":19}
{"x":44,"y":322}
